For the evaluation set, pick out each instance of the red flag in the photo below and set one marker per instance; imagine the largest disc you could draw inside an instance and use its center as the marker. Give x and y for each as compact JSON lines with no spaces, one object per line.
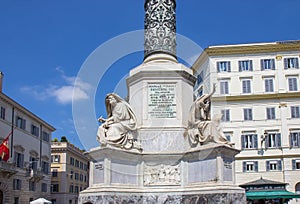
{"x":4,"y":149}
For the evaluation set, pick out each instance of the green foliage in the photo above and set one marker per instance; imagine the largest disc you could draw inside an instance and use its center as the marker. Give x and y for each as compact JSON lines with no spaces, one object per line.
{"x":63,"y":139}
{"x":55,"y":140}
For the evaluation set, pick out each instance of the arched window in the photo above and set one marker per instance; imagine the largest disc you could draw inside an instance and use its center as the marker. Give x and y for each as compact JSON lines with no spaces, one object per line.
{"x":297,"y":188}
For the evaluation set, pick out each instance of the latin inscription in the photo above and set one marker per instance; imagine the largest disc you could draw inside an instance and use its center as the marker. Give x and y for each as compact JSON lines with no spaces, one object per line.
{"x":162,"y":100}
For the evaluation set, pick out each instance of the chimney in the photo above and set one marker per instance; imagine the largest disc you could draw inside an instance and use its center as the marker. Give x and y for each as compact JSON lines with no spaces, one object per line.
{"x":1,"y":80}
{"x":160,"y":30}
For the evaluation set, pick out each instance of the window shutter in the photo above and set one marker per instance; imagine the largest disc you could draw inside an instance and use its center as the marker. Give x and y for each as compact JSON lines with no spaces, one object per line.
{"x":255,"y":141}
{"x":278,"y":140}
{"x":279,"y":165}
{"x":271,"y":85}
{"x":267,"y":165}
{"x":251,"y":65}
{"x":24,"y":124}
{"x":291,"y":140}
{"x":218,"y":66}
{"x":15,"y":157}
{"x":240,"y":66}
{"x":256,"y":166}
{"x":244,"y":166}
{"x":294,"y":164}
{"x":262,"y":67}
{"x":273,"y":64}
{"x":285,"y":63}
{"x":226,"y":87}
{"x":243,"y":141}
{"x":296,"y":63}
{"x":229,"y":66}
{"x":22,"y":161}
{"x":267,"y":141}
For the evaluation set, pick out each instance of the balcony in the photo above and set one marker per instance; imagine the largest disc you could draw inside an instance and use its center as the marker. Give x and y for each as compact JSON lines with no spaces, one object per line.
{"x":7,"y":169}
{"x":35,"y":174}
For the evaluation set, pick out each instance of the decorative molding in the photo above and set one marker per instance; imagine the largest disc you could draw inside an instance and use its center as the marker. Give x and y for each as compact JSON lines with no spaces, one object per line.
{"x":19,"y":148}
{"x":162,"y":175}
{"x":251,"y":97}
{"x":160,"y":27}
{"x":33,"y":153}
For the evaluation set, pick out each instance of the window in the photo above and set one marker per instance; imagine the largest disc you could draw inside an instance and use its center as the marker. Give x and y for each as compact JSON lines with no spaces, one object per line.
{"x":81,"y":177}
{"x":2,"y":113}
{"x":35,"y":130}
{"x":76,"y":176}
{"x":53,"y":201}
{"x":295,"y":111}
{"x":246,"y":86}
{"x":33,"y":163}
{"x":295,"y":139}
{"x":296,"y":164}
{"x":71,"y":174}
{"x":273,"y":140}
{"x":76,"y":163}
{"x":31,"y":186}
{"x":17,"y":184}
{"x":45,"y":167}
{"x":223,"y":66}
{"x":55,"y":158}
{"x":44,"y":187}
{"x":291,"y":63}
{"x":19,"y":159}
{"x":20,"y":122}
{"x":224,"y":88}
{"x":245,"y":65}
{"x":225,"y":115}
{"x":269,"y":85}
{"x":46,"y":136}
{"x":81,"y":165}
{"x":54,"y":173}
{"x":250,"y":166}
{"x":228,"y":136}
{"x":200,"y":91}
{"x":297,"y":188}
{"x":200,"y":78}
{"x":248,"y":114}
{"x":249,"y":141}
{"x":72,"y":161}
{"x":273,"y":165}
{"x":292,"y":83}
{"x":54,"y":188}
{"x":270,"y":113}
{"x":16,"y":200}
{"x":71,"y":189}
{"x":267,"y":64}
{"x":76,"y":189}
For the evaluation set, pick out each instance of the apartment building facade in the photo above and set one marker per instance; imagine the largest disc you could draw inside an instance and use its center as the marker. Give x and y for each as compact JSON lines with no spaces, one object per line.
{"x":70,"y":172}
{"x":258,"y":94}
{"x":25,"y":176}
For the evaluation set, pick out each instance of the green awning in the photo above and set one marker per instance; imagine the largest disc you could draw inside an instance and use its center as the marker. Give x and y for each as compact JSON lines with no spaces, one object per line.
{"x":255,"y":195}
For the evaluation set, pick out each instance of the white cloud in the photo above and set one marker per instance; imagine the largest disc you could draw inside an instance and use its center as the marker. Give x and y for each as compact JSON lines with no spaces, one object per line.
{"x":73,"y":89}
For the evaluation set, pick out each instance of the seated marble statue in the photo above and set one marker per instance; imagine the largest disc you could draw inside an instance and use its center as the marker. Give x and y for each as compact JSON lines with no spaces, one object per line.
{"x":119,"y":127}
{"x":201,"y":128}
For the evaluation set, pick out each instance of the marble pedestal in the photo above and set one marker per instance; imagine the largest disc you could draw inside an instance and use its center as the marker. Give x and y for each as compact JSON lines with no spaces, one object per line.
{"x":204,"y":174}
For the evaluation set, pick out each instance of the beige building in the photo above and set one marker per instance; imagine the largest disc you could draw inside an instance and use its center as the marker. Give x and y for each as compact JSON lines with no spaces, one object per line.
{"x":70,"y":173}
{"x":26,"y":175}
{"x":258,"y":94}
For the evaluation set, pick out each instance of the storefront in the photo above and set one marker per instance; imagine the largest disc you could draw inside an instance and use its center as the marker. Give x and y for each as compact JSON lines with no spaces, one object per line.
{"x":263,"y":191}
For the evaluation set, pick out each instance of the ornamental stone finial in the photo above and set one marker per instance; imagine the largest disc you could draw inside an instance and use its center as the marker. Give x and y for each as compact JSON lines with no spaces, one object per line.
{"x":160,"y":29}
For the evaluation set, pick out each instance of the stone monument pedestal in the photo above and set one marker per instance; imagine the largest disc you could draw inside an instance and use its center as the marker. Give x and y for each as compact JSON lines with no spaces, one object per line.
{"x":202,"y":175}
{"x":161,"y":146}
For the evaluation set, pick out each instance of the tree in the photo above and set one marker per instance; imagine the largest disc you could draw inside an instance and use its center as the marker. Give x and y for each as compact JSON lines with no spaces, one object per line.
{"x":55,"y":140}
{"x":63,"y":139}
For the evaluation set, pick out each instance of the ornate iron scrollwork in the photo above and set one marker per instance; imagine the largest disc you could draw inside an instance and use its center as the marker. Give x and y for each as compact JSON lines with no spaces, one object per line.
{"x":160,"y":27}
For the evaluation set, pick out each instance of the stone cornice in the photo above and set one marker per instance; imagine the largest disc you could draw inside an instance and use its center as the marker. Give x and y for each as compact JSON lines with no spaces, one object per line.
{"x":256,"y":97}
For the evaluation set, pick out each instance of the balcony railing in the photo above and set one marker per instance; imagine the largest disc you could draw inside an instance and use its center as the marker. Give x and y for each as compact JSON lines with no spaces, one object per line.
{"x":7,"y":169}
{"x":35,"y":174}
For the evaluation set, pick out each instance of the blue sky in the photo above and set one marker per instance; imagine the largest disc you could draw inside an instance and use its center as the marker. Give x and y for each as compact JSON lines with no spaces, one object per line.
{"x":45,"y":44}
